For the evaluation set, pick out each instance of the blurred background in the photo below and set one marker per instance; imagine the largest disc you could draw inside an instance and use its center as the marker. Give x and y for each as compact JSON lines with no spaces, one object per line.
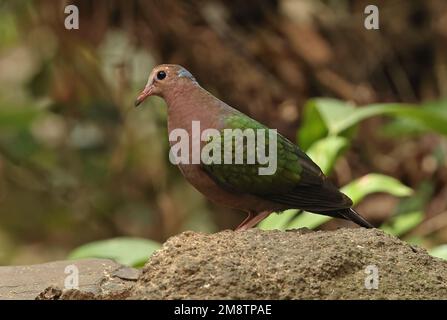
{"x":78,"y":163}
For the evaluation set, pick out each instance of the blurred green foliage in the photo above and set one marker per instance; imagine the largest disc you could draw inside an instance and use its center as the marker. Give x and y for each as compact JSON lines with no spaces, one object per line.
{"x":440,"y":251}
{"x":331,"y":117}
{"x":128,"y":251}
{"x":326,"y":133}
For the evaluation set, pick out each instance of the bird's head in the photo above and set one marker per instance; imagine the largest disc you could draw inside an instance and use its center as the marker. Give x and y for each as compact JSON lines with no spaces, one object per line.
{"x":163,"y":79}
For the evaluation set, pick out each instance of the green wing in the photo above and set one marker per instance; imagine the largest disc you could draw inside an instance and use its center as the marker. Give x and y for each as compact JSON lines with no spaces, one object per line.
{"x":297,"y":182}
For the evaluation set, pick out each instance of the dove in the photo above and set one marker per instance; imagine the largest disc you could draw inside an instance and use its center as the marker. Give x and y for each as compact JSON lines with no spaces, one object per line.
{"x":297,"y":182}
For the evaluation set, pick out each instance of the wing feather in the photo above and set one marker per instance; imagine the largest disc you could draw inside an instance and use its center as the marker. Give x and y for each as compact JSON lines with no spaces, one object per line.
{"x":297,"y":183}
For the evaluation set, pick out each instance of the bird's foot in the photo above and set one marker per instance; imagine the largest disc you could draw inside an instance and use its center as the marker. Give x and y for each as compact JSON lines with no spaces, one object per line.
{"x":252,"y":220}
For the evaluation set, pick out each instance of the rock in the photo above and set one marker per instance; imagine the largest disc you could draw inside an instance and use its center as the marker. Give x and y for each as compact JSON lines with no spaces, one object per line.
{"x":297,"y":264}
{"x":96,"y":276}
{"x":253,"y":264}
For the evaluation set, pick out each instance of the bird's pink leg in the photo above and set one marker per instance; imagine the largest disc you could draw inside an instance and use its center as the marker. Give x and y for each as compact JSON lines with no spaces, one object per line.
{"x":252,"y":220}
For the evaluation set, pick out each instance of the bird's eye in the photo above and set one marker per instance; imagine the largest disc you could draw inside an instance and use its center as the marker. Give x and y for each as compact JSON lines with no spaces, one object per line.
{"x":161,"y":75}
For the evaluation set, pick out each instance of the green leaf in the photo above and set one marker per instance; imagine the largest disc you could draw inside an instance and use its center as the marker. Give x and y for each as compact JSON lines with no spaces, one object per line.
{"x":439,"y":251}
{"x":337,"y":116}
{"x":308,"y":220}
{"x":277,"y":221}
{"x":124,"y":250}
{"x":325,"y":152}
{"x":402,"y":127}
{"x":403,"y":223}
{"x":312,"y":127}
{"x":372,"y":183}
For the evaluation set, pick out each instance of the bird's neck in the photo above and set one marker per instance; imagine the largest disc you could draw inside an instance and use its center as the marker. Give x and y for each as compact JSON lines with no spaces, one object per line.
{"x":190,"y":102}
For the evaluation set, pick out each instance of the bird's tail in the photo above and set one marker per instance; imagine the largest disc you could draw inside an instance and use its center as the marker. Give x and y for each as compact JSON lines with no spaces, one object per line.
{"x":351,"y":214}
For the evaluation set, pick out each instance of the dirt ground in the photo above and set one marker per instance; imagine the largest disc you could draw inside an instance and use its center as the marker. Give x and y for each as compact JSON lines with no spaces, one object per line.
{"x":297,"y":264}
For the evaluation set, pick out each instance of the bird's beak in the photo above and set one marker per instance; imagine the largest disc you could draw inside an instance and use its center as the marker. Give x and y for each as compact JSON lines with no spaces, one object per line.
{"x":147,"y":91}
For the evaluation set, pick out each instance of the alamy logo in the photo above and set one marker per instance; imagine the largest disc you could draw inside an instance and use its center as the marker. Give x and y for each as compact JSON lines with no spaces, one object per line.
{"x":372,"y":20}
{"x":72,"y":279}
{"x":372,"y":278}
{"x":234,"y":146}
{"x":72,"y":20}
